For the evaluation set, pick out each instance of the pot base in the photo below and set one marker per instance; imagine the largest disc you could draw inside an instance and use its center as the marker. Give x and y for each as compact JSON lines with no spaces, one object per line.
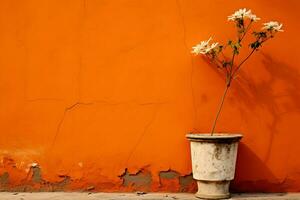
{"x":213,"y":189}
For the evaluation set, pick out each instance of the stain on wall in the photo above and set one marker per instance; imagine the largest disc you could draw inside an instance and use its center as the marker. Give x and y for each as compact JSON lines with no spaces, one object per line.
{"x":90,"y":88}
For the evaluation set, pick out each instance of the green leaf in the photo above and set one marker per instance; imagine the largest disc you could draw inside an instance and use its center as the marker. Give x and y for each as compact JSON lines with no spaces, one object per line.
{"x":255,"y":45}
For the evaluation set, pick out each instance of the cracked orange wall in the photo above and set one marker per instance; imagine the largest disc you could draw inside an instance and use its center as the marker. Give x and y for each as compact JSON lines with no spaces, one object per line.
{"x":90,"y":88}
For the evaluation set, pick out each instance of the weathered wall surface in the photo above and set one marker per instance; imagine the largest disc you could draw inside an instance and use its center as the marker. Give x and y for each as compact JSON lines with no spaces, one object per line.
{"x":98,"y":95}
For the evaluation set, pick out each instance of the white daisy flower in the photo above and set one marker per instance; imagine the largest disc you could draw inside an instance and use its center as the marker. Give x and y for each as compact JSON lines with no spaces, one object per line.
{"x":204,"y":47}
{"x":201,"y":47}
{"x":243,"y":14}
{"x":253,"y":17}
{"x":211,"y":47}
{"x":272,"y":25}
{"x":239,"y":14}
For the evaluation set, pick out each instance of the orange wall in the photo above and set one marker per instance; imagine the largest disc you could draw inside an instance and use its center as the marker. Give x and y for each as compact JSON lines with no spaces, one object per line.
{"x":90,"y":88}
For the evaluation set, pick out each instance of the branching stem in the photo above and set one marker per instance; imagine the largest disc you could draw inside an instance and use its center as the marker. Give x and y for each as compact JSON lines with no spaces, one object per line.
{"x":232,"y":71}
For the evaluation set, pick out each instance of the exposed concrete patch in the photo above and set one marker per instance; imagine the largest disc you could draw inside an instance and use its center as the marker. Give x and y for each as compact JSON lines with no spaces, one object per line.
{"x":169,"y":174}
{"x":32,"y":181}
{"x":186,"y":180}
{"x":169,"y":180}
{"x":187,"y":183}
{"x":173,"y":181}
{"x":140,"y":179}
{"x":38,"y":184}
{"x":36,"y":174}
{"x":60,"y":186}
{"x":4,"y":178}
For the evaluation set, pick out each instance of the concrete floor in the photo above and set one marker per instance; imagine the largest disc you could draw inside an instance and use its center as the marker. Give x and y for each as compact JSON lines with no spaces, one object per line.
{"x":134,"y":196}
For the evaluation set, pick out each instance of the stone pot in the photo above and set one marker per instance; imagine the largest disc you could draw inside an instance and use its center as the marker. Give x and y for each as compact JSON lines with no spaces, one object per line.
{"x":213,"y":163}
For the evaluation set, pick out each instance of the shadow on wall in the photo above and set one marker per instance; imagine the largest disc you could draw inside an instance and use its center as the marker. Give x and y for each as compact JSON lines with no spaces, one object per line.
{"x":263,"y":95}
{"x":275,"y":96}
{"x":249,"y":166}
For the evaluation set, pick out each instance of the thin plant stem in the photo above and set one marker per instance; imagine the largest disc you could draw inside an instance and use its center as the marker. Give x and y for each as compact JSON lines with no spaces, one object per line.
{"x":220,"y":108}
{"x":231,"y":74}
{"x":239,"y":66}
{"x":245,"y":32}
{"x":234,"y":74}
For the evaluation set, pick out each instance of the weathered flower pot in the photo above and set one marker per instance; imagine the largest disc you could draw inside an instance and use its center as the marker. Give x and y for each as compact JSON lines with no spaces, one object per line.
{"x":213,"y":163}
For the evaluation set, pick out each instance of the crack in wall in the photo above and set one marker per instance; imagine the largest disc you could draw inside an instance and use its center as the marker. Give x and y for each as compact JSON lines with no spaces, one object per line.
{"x":146,"y":128}
{"x":183,"y":24}
{"x":67,"y":109}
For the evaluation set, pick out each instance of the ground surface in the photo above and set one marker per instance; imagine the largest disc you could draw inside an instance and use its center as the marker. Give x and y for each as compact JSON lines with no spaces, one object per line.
{"x":134,"y":196}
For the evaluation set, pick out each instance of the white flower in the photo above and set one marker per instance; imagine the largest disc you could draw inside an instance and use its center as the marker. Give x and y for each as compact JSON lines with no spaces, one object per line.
{"x":201,"y":47}
{"x":272,"y":25}
{"x":204,"y":47}
{"x":211,"y":47}
{"x":241,"y":14}
{"x":253,"y":17}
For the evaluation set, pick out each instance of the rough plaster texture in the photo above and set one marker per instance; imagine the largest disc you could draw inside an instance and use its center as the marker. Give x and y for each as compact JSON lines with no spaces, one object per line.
{"x":92,"y":88}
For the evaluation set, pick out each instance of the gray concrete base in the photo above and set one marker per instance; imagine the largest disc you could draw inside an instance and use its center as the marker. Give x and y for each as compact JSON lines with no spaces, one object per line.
{"x":135,"y":196}
{"x":213,"y":189}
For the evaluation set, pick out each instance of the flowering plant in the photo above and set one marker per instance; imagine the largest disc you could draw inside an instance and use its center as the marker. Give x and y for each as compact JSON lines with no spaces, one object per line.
{"x":243,"y":19}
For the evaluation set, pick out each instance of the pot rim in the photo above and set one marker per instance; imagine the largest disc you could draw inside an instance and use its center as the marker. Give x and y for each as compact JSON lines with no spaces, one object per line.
{"x":216,"y":137}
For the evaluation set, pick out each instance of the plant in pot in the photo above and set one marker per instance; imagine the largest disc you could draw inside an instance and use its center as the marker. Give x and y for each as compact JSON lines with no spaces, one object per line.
{"x":214,"y":154}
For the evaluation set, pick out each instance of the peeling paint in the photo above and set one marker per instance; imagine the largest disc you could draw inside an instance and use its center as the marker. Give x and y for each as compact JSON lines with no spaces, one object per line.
{"x":36,"y":174}
{"x":61,"y":185}
{"x":187,"y":183}
{"x":170,"y":174}
{"x":4,"y":178}
{"x":91,"y":103}
{"x":140,"y":179}
{"x":171,"y":180}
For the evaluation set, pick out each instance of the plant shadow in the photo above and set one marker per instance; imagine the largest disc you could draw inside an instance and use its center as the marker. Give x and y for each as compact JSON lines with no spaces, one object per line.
{"x":252,"y":174}
{"x":262,"y":95}
{"x":276,"y":95}
{"x":250,"y":96}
